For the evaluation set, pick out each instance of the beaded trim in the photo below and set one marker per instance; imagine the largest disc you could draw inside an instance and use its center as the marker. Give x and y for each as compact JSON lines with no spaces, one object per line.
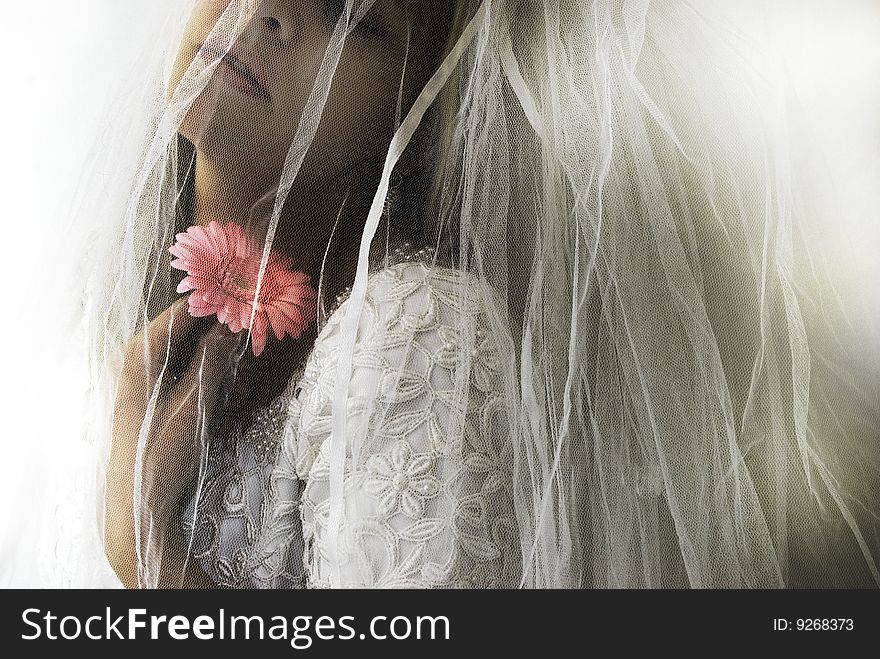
{"x":264,"y":432}
{"x":404,"y":252}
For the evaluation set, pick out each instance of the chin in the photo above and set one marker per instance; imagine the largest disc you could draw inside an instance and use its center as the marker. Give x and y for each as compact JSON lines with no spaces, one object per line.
{"x":198,"y":125}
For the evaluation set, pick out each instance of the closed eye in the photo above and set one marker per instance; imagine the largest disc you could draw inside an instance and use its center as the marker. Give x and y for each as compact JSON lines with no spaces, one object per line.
{"x":371,"y":26}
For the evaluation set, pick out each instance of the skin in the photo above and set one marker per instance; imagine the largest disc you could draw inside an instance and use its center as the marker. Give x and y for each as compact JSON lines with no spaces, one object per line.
{"x":230,"y":129}
{"x":171,"y":454}
{"x":241,"y":142}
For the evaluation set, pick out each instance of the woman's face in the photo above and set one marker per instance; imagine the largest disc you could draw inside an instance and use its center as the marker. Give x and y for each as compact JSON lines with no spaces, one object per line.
{"x":246,"y":117}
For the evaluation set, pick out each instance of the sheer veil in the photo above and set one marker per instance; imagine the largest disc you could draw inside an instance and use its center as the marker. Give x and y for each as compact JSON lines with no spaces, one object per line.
{"x":633,"y":231}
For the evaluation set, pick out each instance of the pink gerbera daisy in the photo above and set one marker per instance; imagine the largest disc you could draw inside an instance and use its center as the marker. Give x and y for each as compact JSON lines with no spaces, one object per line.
{"x":222,"y":263}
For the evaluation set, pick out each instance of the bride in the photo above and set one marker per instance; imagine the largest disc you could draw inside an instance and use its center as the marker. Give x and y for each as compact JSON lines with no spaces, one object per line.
{"x":477,"y":294}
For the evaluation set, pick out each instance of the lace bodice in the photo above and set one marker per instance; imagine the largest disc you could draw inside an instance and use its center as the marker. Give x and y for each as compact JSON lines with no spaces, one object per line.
{"x":232,"y":504}
{"x":427,"y":483}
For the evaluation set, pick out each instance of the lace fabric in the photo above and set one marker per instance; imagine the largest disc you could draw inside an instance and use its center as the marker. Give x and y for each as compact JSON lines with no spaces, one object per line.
{"x":428,"y":506}
{"x":222,"y":517}
{"x":427,"y":502}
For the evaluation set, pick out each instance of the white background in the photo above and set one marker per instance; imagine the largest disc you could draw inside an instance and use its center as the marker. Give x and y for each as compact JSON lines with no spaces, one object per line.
{"x":63,"y":65}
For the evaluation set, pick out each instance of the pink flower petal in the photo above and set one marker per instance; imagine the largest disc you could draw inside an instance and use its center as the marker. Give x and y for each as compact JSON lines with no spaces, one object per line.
{"x":180,"y":251}
{"x":194,"y":251}
{"x":291,"y":311}
{"x":198,"y":234}
{"x":195,"y":302}
{"x":186,"y":284}
{"x":296,"y":278}
{"x":215,"y":296}
{"x":180,"y":264}
{"x":245,"y":315}
{"x":233,"y":311}
{"x":218,"y":237}
{"x":200,"y":312}
{"x":259,"y":342}
{"x":258,"y":334}
{"x":183,"y":239}
{"x":278,"y":321}
{"x":222,"y":262}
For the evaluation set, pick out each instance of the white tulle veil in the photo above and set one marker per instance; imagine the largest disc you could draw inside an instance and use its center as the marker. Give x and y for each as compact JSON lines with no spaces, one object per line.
{"x":688,"y":397}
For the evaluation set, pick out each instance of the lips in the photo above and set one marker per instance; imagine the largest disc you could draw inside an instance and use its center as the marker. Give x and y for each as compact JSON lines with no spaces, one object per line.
{"x":243,"y":71}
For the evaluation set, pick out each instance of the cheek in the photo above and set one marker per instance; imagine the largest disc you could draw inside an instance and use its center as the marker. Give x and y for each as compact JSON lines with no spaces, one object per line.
{"x":206,"y":13}
{"x":202,"y":20}
{"x":357,"y":123}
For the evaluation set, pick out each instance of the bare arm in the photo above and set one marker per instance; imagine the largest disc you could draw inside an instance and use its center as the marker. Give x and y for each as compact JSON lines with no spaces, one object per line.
{"x":172,"y":448}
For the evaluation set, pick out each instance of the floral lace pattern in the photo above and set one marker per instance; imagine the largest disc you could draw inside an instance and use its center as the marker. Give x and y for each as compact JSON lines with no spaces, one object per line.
{"x":401,"y":481}
{"x":427,"y":480}
{"x":223,"y":516}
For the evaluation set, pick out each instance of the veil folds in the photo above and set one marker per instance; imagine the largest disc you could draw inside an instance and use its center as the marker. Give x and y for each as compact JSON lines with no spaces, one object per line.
{"x":685,"y":397}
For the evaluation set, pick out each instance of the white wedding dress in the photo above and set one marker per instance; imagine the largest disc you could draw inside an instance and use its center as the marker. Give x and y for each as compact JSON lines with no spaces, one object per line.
{"x":425,"y":504}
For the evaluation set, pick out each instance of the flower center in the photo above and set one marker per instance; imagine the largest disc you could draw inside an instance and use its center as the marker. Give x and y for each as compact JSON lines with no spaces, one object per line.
{"x":234,"y":279}
{"x":400,"y":481}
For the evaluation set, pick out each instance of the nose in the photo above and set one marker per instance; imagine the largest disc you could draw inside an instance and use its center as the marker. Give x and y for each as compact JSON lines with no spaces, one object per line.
{"x":275,"y":29}
{"x":278,"y":23}
{"x":274,"y":23}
